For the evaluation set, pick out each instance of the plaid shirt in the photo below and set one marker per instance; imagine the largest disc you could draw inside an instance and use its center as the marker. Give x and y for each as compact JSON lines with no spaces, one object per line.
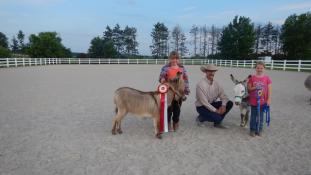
{"x":163,"y":74}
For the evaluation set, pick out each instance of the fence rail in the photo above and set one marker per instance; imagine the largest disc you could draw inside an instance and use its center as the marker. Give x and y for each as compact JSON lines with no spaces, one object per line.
{"x":295,"y":65}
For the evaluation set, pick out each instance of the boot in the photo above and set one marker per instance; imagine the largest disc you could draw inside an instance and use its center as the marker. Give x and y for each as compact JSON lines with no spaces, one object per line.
{"x":175,"y":126}
{"x":170,"y":127}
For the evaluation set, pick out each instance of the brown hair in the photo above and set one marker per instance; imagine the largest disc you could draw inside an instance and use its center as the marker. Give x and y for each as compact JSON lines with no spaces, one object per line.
{"x":260,"y":63}
{"x":172,"y":54}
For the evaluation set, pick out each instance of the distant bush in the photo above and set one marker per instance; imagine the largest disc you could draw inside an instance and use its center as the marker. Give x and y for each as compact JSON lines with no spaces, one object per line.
{"x":4,"y":53}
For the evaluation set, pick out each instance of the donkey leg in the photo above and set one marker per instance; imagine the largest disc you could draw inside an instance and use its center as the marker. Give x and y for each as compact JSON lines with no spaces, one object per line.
{"x":247,"y":117}
{"x":119,"y":130}
{"x":121,"y":115}
{"x":114,"y":126}
{"x":156,"y":125}
{"x":117,"y":122}
{"x":242,"y":120}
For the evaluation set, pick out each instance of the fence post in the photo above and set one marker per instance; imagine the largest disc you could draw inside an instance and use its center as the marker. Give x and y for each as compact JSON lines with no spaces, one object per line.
{"x":252,"y":64}
{"x":7,"y":62}
{"x":271,"y":64}
{"x":23,"y":62}
{"x":89,"y":60}
{"x":230,"y":63}
{"x":299,"y":65}
{"x":284,"y":65}
{"x":237,"y":63}
{"x":29,"y":60}
{"x":244,"y":63}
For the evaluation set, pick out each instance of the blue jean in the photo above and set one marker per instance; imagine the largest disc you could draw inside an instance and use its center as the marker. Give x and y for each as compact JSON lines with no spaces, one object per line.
{"x":207,"y":115}
{"x":255,"y":124}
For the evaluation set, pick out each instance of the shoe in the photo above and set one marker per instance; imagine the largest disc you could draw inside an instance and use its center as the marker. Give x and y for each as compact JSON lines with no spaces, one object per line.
{"x":259,"y":134}
{"x":219,"y":126}
{"x":199,"y":123}
{"x":175,"y":126}
{"x":252,"y":133}
{"x":170,"y":127}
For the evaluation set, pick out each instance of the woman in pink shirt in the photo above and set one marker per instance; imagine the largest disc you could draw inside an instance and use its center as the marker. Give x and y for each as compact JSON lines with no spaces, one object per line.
{"x":259,"y":85}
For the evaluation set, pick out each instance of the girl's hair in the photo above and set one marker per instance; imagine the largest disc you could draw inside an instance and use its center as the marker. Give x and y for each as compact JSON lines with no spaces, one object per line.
{"x":174,"y":53}
{"x":260,"y":63}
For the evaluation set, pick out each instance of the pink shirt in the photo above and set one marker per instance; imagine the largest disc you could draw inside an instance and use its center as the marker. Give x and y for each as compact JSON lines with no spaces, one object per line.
{"x":263,"y":82}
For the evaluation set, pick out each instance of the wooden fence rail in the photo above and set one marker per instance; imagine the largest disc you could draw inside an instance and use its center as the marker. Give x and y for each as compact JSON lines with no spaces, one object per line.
{"x":295,"y":65}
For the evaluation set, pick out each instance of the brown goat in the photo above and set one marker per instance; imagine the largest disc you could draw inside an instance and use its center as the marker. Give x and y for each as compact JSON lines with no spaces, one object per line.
{"x":144,"y":104}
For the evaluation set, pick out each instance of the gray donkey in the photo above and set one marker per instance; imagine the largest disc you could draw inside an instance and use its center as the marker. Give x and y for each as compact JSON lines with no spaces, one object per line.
{"x":308,"y":84}
{"x":241,"y":97}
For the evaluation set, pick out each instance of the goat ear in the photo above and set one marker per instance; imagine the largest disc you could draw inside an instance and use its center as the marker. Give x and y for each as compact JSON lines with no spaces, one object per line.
{"x":233,"y":79}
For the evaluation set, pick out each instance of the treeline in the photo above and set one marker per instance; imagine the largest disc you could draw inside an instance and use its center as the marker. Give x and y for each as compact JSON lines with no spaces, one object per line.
{"x":115,"y":42}
{"x":240,"y":39}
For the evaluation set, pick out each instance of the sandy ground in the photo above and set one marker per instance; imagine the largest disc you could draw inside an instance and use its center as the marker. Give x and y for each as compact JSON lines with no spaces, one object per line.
{"x":57,"y":120}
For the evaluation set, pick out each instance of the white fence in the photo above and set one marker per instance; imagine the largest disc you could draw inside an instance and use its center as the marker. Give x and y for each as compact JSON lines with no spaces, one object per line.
{"x":296,"y":65}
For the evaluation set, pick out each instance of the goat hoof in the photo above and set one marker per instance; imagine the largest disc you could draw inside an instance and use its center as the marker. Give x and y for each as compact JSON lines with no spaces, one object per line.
{"x":159,"y":136}
{"x":120,"y":131}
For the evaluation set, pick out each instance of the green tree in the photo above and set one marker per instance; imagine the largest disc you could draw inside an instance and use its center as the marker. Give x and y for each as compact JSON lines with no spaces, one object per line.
{"x":194,"y":32}
{"x":179,"y":40}
{"x":108,"y":34}
{"x":296,"y":36}
{"x":101,"y":48}
{"x":118,"y":39}
{"x":3,"y":41}
{"x":47,"y":45}
{"x":237,"y":39}
{"x":267,"y":37}
{"x":159,"y":34}
{"x":130,"y":40}
{"x":4,"y":52}
{"x":21,"y":38}
{"x":258,"y":38}
{"x":14,"y":46}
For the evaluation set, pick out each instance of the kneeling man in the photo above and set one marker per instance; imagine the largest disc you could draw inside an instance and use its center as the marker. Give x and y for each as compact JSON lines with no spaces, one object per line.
{"x":211,"y":102}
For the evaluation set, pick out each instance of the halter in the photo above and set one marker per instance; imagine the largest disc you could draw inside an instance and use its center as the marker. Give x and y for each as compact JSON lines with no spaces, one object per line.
{"x":245,"y":92}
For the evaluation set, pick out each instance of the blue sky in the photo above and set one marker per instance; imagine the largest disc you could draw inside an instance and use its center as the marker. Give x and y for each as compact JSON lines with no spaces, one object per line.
{"x":78,"y":21}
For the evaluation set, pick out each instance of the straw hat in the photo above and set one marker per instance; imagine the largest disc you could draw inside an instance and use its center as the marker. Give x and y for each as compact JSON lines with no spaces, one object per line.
{"x":209,"y":67}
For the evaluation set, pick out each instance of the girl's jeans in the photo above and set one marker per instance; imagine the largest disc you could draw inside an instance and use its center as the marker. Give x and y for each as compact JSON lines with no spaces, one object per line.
{"x":256,"y":124}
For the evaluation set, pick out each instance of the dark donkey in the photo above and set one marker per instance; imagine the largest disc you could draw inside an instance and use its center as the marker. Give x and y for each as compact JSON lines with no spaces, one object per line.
{"x":241,"y":97}
{"x":145,"y":104}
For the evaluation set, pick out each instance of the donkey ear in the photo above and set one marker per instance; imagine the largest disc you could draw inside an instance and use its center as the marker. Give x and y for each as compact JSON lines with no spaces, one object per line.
{"x":178,"y":75}
{"x":246,"y":79}
{"x":233,"y":79}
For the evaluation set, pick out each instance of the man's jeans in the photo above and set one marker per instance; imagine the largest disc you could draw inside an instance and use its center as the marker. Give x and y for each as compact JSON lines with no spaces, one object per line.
{"x":207,"y":115}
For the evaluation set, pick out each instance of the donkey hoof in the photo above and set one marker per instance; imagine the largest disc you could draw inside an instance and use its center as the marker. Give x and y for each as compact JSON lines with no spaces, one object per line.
{"x":159,"y":136}
{"x":119,"y":131}
{"x":113,"y":132}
